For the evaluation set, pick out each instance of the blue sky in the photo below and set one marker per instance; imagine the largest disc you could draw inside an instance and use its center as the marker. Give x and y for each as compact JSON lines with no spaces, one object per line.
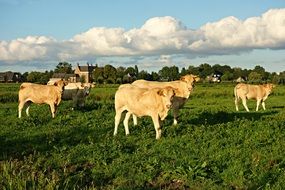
{"x":37,"y":34}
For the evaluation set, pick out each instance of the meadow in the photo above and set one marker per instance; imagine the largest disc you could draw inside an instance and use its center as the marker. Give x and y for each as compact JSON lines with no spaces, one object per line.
{"x":212,"y":147}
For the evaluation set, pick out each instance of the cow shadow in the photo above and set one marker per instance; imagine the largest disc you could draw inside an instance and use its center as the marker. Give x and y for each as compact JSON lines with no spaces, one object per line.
{"x":19,"y":146}
{"x":212,"y":118}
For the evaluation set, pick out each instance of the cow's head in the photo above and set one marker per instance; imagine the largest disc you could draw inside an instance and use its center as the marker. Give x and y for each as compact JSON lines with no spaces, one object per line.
{"x":190,"y":80}
{"x":269,"y":87}
{"x":167,"y":95}
{"x":86,"y":88}
{"x":61,"y":83}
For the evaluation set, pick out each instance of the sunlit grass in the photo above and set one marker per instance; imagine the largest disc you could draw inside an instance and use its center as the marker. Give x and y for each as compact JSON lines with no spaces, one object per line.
{"x":212,"y":147}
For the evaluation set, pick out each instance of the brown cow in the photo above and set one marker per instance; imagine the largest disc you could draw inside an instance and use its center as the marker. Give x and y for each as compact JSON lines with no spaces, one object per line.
{"x":247,"y":91}
{"x":183,"y":87}
{"x":140,"y":102}
{"x":40,"y":94}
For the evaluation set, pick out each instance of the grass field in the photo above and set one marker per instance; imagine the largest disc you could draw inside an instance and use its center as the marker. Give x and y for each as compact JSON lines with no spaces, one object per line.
{"x":212,"y":147}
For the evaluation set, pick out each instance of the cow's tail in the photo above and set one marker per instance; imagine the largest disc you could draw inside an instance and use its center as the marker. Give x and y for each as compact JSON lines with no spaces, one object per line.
{"x":235,"y":92}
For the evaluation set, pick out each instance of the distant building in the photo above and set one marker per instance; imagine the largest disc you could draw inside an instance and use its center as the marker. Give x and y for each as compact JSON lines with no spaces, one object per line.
{"x":85,"y":72}
{"x":10,"y":76}
{"x":214,"y":78}
{"x":80,"y":73}
{"x":241,"y":79}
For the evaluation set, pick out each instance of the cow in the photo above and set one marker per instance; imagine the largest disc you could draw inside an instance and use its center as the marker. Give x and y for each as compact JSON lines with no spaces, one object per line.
{"x":246,"y":91}
{"x":183,"y":87}
{"x":154,"y":102}
{"x":40,"y":94}
{"x":76,"y":91}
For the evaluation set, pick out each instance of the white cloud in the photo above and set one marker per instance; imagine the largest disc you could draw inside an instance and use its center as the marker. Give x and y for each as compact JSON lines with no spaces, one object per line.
{"x":158,"y":36}
{"x":23,"y":49}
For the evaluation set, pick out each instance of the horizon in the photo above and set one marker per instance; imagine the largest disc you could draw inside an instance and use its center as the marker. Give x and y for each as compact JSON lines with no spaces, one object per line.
{"x":37,"y":35}
{"x":179,"y":69}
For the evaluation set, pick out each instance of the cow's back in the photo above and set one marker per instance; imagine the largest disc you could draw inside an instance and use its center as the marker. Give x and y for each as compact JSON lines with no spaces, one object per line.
{"x":140,"y":101}
{"x":180,"y":86}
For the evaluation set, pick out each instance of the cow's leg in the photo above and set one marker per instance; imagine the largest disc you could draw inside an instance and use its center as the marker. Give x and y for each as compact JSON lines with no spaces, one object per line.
{"x":117,"y":120}
{"x":263,"y":105}
{"x":257,"y":104}
{"x":28,"y":108}
{"x":244,"y":104}
{"x":126,"y":122}
{"x":155,"y":120}
{"x":135,"y":119}
{"x":20,"y":107}
{"x":74,"y":103}
{"x":236,"y":102}
{"x":175,"y":115}
{"x":52,"y":109}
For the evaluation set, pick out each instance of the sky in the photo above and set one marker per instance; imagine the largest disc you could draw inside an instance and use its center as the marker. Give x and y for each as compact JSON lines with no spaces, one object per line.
{"x":35,"y":35}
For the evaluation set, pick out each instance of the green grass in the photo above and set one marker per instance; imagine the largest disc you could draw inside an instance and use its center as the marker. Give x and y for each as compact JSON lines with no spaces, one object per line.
{"x":212,"y":147}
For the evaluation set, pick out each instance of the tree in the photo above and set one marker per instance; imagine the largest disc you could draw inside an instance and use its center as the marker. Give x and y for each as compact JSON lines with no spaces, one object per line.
{"x":254,"y":77}
{"x":38,"y":77}
{"x":205,"y":70}
{"x":120,"y":72}
{"x":63,"y":67}
{"x":98,"y":73}
{"x":193,"y":70}
{"x":261,"y":71}
{"x":173,"y":73}
{"x":130,"y":71}
{"x":144,"y":75}
{"x":25,"y":75}
{"x":109,"y":72}
{"x":155,"y":76}
{"x":237,"y":72}
{"x":183,"y":71}
{"x":227,"y":76}
{"x":164,"y":73}
{"x":136,"y":71}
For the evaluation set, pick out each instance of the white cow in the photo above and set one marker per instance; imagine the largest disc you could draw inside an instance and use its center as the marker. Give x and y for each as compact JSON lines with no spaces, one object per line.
{"x":77,"y":92}
{"x":183,"y":87}
{"x":40,"y":94}
{"x":248,"y":91}
{"x":154,"y":102}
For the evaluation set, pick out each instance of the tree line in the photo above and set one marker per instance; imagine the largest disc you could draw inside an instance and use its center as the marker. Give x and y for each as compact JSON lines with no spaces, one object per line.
{"x":112,"y":75}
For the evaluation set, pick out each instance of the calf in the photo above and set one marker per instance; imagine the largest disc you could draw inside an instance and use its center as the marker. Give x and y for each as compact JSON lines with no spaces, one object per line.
{"x":154,"y":102}
{"x":40,"y":94}
{"x":247,"y":91}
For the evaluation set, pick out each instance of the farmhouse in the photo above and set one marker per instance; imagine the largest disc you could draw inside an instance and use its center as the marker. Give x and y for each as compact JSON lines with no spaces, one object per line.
{"x":85,"y":72}
{"x":81,"y":74}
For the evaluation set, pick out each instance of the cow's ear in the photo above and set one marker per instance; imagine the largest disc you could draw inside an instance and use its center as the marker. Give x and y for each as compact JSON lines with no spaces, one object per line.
{"x":161,"y":92}
{"x":196,"y":78}
{"x":182,"y":78}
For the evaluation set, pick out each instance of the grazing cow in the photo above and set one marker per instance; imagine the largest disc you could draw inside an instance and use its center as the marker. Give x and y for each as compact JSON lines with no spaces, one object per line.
{"x":183,"y":87}
{"x":247,"y":91}
{"x":40,"y":94}
{"x":77,"y":92}
{"x":140,"y":102}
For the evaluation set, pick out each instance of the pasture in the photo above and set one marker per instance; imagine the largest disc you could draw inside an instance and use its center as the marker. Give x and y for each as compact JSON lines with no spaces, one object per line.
{"x":212,"y":147}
